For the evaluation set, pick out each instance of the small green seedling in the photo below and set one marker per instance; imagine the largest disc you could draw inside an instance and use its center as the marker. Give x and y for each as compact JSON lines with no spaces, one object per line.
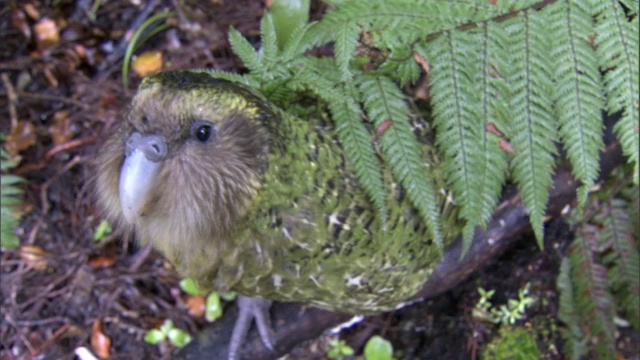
{"x":513,"y":311}
{"x":167,"y":330}
{"x":213,"y":305}
{"x":213,"y":310}
{"x":337,"y":349}
{"x":102,"y":230}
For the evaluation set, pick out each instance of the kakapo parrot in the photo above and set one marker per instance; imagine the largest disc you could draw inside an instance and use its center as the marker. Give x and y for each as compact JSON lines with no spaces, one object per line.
{"x":242,"y":197}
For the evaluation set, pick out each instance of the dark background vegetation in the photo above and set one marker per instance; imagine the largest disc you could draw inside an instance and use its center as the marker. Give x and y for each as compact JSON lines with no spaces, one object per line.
{"x":62,"y":290}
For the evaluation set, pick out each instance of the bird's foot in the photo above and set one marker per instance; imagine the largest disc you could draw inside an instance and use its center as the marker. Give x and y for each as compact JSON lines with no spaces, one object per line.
{"x":250,"y":309}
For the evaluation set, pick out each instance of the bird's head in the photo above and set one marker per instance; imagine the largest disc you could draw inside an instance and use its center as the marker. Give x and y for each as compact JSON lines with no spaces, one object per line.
{"x":186,"y":164}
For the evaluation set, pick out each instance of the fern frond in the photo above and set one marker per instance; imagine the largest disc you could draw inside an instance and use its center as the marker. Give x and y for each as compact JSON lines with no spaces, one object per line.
{"x":358,"y":147}
{"x":383,"y":101}
{"x":578,"y":91}
{"x":346,"y":42}
{"x":320,"y":76}
{"x":9,"y":216}
{"x":624,"y":260}
{"x":633,"y":198}
{"x":401,"y":65}
{"x":459,"y":127}
{"x":294,"y":45}
{"x":574,"y":342}
{"x":493,"y":110}
{"x":269,"y":41}
{"x":591,"y":283}
{"x":617,"y":48}
{"x":245,"y":51}
{"x":534,"y":128}
{"x":408,"y":20}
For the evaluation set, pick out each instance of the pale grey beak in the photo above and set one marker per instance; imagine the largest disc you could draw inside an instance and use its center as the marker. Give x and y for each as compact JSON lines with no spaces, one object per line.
{"x":143,"y":159}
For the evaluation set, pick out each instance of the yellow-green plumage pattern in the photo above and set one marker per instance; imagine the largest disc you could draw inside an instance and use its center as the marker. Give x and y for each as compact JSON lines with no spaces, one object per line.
{"x":328,"y":245}
{"x":286,"y":218}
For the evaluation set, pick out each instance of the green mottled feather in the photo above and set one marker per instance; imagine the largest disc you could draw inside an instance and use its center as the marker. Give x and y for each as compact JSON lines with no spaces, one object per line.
{"x":274,"y":210}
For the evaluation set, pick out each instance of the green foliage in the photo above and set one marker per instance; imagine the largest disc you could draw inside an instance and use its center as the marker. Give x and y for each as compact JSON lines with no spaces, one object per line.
{"x":102,"y":230}
{"x":383,"y":101}
{"x":618,"y":52}
{"x":189,"y":286}
{"x":513,"y":343}
{"x":578,"y":98}
{"x":603,"y":267}
{"x":534,"y":128}
{"x":513,"y":311}
{"x":9,"y":201}
{"x":377,"y":348}
{"x":337,"y":349}
{"x":213,"y":305}
{"x":167,"y":331}
{"x":539,"y":74}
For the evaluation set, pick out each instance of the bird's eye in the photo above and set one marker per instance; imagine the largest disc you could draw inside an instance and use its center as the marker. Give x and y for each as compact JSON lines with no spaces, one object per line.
{"x":202,"y":131}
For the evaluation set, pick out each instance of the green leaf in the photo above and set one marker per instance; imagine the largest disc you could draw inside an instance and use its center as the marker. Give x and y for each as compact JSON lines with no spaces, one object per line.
{"x":213,"y":310}
{"x":377,"y":348}
{"x":617,"y":47}
{"x":179,"y":337}
{"x":8,"y":180}
{"x":245,"y":51}
{"x":9,"y":204}
{"x":269,"y":42}
{"x":578,"y":92}
{"x":457,"y":121}
{"x":338,"y":349}
{"x":154,"y":337}
{"x":359,"y":150}
{"x":346,"y":42}
{"x":189,"y":286}
{"x":102,"y":230}
{"x":624,"y":260}
{"x":534,"y":129}
{"x":294,"y":45}
{"x":383,"y":101}
{"x":594,"y":304}
{"x":166,"y":326}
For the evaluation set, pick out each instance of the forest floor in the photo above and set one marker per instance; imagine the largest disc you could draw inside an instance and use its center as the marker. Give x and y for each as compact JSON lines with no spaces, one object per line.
{"x":61,"y":290}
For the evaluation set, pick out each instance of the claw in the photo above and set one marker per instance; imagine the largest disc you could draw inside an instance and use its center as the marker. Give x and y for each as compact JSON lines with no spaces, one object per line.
{"x":250,"y":309}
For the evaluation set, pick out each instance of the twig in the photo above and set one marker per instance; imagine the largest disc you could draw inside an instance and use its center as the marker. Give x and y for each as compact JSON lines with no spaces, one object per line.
{"x":41,"y":322}
{"x":27,"y":168}
{"x":48,"y":292}
{"x":24,"y":339}
{"x":61,"y":330}
{"x":54,"y":99}
{"x":44,"y":202}
{"x":69,"y":145}
{"x":12,"y":99}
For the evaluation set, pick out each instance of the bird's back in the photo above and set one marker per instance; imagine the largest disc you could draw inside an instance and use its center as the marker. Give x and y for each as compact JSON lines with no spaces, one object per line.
{"x":314,"y":236}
